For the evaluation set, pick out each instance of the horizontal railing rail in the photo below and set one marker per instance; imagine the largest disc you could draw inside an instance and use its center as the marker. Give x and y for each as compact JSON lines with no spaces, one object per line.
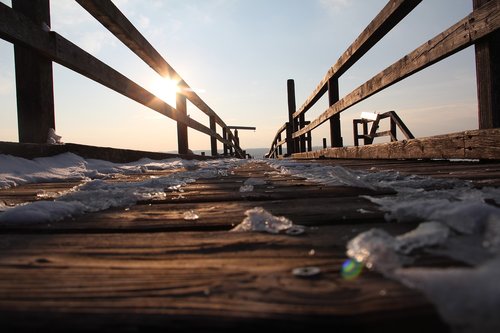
{"x":23,"y":31}
{"x":482,"y":22}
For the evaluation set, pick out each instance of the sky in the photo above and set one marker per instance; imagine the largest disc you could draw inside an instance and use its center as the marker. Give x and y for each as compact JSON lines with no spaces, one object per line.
{"x":238,"y":55}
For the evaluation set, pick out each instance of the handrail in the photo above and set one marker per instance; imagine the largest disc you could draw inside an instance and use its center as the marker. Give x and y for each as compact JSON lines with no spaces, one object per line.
{"x":466,"y":32}
{"x":15,"y":27}
{"x":392,"y":13}
{"x":483,"y":21}
{"x":117,"y":23}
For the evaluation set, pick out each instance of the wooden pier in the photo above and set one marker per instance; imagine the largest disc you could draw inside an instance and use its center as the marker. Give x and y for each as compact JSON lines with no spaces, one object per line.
{"x":147,"y":268}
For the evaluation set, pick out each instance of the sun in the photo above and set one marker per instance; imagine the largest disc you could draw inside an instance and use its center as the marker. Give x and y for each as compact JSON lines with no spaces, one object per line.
{"x":165,"y":89}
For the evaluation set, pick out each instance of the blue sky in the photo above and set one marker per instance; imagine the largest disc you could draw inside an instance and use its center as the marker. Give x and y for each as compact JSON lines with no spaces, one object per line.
{"x":238,"y":54}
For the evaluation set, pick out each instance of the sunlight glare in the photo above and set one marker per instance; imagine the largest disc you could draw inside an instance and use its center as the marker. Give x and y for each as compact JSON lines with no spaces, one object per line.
{"x":165,"y":89}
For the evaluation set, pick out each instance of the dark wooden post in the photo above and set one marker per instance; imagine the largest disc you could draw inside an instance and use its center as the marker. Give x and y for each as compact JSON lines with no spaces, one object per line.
{"x":280,"y":149}
{"x":34,"y":80}
{"x":333,"y":97}
{"x":182,"y":130}
{"x":487,"y":73}
{"x":224,"y":135}
{"x":394,"y":136}
{"x":309,"y":141}
{"x":302,"y":139}
{"x":324,"y":143}
{"x":291,"y":127}
{"x":236,"y":138}
{"x":213,"y":140}
{"x":355,"y":130}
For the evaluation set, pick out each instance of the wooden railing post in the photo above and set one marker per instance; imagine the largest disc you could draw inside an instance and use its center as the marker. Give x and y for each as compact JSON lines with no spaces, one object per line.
{"x":333,"y":97}
{"x":224,"y":136}
{"x":182,"y":131}
{"x":236,"y":137}
{"x":291,"y":128}
{"x":487,"y":74}
{"x":34,"y":79}
{"x":213,"y":140}
{"x":302,"y":139}
{"x":393,"y":130}
{"x":280,"y":149}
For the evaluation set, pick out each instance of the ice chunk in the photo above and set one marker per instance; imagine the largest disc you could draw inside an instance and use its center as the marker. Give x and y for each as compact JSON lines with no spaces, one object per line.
{"x":467,"y":298}
{"x":53,"y":138}
{"x":246,"y":188}
{"x":426,"y":234}
{"x":42,"y":211}
{"x":258,"y":219}
{"x":191,"y":215}
{"x":376,"y":249}
{"x":492,"y":234}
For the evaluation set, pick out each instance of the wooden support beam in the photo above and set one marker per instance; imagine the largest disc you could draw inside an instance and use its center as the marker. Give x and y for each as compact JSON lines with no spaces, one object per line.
{"x":249,"y":128}
{"x":302,"y":139}
{"x":226,"y":146}
{"x":182,"y":130}
{"x":291,"y":128}
{"x":34,"y":79}
{"x":213,"y":140}
{"x":464,"y":33}
{"x":335,"y":129}
{"x":475,"y":144}
{"x":488,"y":76}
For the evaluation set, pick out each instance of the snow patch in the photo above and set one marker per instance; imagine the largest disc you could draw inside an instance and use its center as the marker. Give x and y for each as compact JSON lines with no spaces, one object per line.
{"x":96,"y":193}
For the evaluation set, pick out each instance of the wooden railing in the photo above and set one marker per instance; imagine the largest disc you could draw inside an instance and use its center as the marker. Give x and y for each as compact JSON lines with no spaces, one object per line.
{"x":479,"y":28}
{"x":27,"y":26}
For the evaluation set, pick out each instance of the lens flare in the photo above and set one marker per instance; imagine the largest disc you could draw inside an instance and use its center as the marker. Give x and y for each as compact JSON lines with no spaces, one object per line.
{"x":165,"y":89}
{"x":351,"y":269}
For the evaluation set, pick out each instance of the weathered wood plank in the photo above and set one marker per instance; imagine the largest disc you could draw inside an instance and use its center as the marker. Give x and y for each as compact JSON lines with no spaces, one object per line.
{"x":116,"y":155}
{"x":226,"y":276}
{"x":482,"y":144}
{"x":466,"y":32}
{"x":388,"y":18}
{"x":212,"y":216}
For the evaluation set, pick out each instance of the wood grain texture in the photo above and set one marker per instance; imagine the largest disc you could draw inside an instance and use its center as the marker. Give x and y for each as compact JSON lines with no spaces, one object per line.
{"x":228,"y":277}
{"x":475,"y":144}
{"x":147,"y":268}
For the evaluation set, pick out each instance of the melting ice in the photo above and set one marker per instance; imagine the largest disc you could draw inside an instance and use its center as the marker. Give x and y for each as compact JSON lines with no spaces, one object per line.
{"x":95,"y":193}
{"x":457,"y":221}
{"x":258,"y":219}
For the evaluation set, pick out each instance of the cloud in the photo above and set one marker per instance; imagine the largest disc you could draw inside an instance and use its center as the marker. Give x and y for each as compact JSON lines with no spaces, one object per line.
{"x":93,"y":42}
{"x":143,"y":22}
{"x":67,"y":14}
{"x":334,"y":6}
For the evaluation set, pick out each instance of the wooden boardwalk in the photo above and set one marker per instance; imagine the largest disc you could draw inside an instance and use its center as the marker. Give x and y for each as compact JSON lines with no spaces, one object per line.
{"x":147,"y":268}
